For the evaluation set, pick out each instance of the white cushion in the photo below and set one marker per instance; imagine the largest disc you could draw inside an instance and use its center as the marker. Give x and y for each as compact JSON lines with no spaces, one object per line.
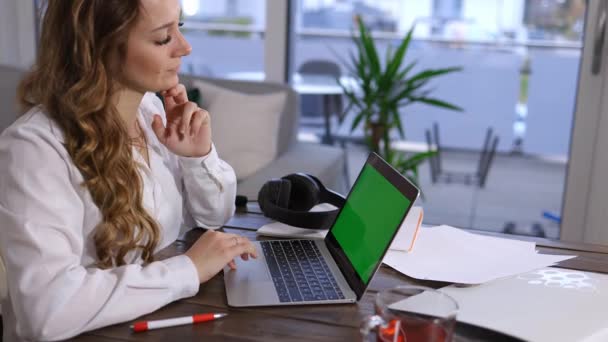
{"x":245,"y":127}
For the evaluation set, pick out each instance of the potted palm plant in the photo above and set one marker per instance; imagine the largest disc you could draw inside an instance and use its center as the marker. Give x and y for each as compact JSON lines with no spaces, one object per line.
{"x":380,"y":90}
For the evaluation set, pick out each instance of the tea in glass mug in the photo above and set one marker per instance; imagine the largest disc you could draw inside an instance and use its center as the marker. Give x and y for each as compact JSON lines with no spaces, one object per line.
{"x":411,"y":314}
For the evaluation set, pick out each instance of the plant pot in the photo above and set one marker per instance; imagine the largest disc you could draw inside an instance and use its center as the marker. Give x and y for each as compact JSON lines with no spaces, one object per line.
{"x":375,"y":132}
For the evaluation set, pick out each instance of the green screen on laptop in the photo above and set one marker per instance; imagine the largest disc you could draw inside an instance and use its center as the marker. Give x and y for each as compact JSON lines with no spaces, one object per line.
{"x":370,"y":217}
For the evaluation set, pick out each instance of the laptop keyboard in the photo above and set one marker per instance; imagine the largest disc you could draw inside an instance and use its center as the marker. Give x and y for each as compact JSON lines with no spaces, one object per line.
{"x":299,"y":272}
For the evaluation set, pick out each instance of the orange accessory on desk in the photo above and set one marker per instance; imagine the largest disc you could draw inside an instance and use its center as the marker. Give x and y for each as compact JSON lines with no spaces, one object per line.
{"x":408,"y":232}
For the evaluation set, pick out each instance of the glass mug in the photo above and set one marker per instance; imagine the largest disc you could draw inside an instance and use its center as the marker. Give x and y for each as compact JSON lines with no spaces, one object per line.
{"x":411,"y":314}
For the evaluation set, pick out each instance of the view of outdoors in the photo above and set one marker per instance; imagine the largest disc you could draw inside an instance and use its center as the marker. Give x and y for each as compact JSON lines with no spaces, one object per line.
{"x":520,"y":65}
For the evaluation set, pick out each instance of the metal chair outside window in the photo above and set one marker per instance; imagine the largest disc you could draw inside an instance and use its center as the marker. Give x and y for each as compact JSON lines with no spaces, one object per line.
{"x":478,"y":177}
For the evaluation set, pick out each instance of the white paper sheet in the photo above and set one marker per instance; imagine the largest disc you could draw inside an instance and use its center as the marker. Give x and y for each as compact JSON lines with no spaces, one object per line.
{"x":449,"y":254}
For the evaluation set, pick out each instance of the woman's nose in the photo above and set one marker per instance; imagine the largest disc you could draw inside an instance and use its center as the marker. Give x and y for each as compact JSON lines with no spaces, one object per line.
{"x":184,"y":47}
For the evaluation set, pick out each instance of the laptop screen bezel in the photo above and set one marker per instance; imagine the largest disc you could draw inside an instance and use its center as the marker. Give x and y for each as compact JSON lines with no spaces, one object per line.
{"x":400,"y":183}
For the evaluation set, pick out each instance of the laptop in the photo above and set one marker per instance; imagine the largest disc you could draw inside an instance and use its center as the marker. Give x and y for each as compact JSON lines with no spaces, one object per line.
{"x":339,"y":268}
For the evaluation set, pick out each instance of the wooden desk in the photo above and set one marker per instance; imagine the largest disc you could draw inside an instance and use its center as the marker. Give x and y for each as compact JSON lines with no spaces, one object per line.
{"x":305,"y":323}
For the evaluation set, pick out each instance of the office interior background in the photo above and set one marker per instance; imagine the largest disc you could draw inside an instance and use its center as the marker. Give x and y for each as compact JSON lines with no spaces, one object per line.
{"x":529,"y":72}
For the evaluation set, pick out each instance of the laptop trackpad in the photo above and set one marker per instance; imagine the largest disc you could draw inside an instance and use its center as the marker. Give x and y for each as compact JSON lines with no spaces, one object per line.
{"x":250,"y":284}
{"x":251,"y":270}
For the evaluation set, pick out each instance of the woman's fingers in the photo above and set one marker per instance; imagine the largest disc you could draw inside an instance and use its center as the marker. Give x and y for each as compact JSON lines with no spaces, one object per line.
{"x":239,"y":245}
{"x":169,"y":103}
{"x":199,"y":119}
{"x":172,"y":130}
{"x":175,"y":96}
{"x":179,"y":93}
{"x":179,"y":125}
{"x":189,"y":108}
{"x":245,"y":247}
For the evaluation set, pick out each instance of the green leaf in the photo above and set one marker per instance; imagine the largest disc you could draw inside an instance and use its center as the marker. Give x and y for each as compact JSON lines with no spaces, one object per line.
{"x":404,"y":72}
{"x":438,"y":103}
{"x":409,"y":92}
{"x":350,"y":66}
{"x":430,"y":73}
{"x":393,"y":66}
{"x":416,"y":160}
{"x":389,"y":55}
{"x":369,"y":47}
{"x":358,"y":119}
{"x":397,"y":120}
{"x":348,"y":108}
{"x":353,"y":100}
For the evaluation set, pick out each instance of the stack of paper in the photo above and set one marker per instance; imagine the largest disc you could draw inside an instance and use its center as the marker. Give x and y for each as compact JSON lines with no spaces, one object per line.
{"x":449,"y":254}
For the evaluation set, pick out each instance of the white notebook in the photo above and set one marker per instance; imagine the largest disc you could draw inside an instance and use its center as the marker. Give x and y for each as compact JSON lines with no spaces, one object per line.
{"x":550,"y":304}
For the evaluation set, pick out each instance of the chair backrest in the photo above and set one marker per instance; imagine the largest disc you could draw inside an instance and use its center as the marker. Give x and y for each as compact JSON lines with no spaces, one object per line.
{"x":433,"y":160}
{"x":484,"y":174}
{"x":486,"y":157}
{"x":438,"y":147}
{"x":288,"y":128}
{"x":320,"y":67}
{"x":485,"y":152}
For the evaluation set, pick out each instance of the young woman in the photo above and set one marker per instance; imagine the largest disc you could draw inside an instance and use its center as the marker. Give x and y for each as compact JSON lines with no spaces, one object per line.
{"x":97,"y":176}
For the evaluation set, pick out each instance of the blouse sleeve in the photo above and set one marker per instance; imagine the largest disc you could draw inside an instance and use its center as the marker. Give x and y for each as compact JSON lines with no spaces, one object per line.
{"x":53,"y":295}
{"x":209,"y":184}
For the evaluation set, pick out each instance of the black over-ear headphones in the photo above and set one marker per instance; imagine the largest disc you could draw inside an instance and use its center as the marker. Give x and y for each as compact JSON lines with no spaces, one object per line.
{"x":290,"y":198}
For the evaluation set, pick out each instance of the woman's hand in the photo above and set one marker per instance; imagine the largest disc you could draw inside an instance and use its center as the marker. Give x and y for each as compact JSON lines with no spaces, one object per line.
{"x":188,"y":131}
{"x":214,"y":250}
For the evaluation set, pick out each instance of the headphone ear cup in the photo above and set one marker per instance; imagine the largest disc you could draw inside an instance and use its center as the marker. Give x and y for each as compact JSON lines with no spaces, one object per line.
{"x":264,"y":196}
{"x":274,"y":192}
{"x":304,"y":192}
{"x":283,"y":193}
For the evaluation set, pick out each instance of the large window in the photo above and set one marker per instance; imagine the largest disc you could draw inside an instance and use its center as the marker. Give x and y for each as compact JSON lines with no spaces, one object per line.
{"x":520,"y":61}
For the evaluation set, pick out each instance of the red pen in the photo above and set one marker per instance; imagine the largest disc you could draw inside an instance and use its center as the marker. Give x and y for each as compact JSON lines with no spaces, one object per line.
{"x":164,"y":323}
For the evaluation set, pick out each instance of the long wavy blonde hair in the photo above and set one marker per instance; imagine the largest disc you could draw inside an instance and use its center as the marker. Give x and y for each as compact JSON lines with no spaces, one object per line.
{"x":73,"y":80}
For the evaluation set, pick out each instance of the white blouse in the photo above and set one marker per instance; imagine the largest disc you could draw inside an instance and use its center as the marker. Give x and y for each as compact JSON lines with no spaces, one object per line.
{"x":47,"y":222}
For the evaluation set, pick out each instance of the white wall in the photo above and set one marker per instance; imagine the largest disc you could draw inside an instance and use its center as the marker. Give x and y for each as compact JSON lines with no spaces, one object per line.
{"x":17,"y":33}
